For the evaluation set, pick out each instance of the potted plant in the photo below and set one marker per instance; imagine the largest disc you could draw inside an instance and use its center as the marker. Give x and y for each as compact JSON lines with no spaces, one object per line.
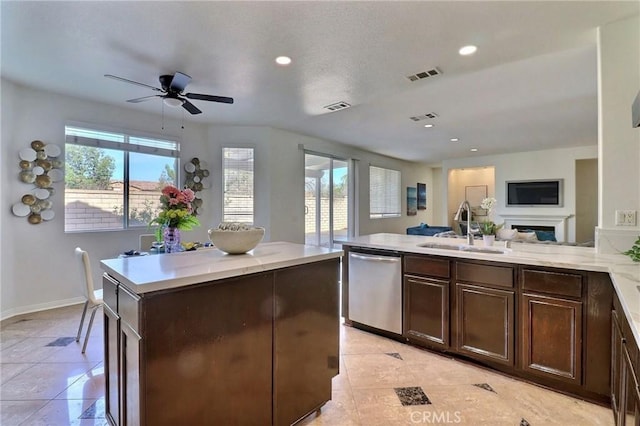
{"x":488,"y":230}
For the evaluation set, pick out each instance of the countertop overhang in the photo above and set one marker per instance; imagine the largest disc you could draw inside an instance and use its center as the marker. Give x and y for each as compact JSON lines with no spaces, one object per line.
{"x":143,"y":274}
{"x":624,"y":273}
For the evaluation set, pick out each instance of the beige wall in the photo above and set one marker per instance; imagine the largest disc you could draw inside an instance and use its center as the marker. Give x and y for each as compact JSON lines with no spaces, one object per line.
{"x":469,"y":181}
{"x":586,"y":200}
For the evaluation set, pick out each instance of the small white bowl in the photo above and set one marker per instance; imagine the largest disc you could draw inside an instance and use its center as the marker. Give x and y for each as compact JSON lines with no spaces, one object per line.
{"x":236,"y":242}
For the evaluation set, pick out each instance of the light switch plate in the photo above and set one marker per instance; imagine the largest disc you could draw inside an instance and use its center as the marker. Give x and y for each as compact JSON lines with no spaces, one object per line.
{"x":625,"y":218}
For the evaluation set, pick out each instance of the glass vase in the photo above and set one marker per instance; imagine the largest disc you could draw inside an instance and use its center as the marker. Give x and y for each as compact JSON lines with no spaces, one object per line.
{"x":171,"y":240}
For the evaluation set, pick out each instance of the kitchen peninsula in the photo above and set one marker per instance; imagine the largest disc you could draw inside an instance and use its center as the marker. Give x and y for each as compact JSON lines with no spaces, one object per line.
{"x":560,"y":316}
{"x":209,"y":338}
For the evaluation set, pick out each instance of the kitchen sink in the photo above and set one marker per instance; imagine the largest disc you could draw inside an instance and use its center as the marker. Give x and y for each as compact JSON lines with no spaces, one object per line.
{"x":465,"y":247}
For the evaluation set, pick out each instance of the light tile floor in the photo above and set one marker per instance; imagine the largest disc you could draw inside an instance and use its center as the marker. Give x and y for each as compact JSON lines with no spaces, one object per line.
{"x":42,"y":384}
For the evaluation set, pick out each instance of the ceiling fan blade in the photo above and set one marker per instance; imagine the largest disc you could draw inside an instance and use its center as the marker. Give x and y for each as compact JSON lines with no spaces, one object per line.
{"x":132,"y":82}
{"x":201,"y":97}
{"x":179,"y":82}
{"x":190,"y":107}
{"x":144,"y":98}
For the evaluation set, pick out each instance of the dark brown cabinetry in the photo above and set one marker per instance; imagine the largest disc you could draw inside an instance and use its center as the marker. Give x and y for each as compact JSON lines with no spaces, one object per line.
{"x":426,"y":301}
{"x":551,"y":307}
{"x":111,"y":350}
{"x":305,"y":339}
{"x":546,"y":325}
{"x":625,"y":393}
{"x":256,"y":349}
{"x":484,"y":312}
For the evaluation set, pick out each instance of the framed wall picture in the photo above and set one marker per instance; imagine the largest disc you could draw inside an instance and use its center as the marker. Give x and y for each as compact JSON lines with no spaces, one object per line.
{"x":422,"y":196}
{"x":475,"y":194}
{"x":412,"y":201}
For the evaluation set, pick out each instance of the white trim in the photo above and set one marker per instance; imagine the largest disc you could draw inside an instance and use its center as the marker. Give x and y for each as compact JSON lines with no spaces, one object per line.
{"x":10,"y":313}
{"x":559,"y":222}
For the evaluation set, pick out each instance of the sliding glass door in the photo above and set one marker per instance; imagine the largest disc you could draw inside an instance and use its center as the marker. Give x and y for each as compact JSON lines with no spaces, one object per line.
{"x":327,"y":218}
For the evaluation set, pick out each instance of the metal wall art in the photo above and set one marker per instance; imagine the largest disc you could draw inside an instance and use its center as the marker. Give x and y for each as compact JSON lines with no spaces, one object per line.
{"x":196,"y":180}
{"x":40,"y":166}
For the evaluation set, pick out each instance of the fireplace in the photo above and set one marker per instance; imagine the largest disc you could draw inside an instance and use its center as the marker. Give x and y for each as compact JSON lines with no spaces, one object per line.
{"x":545,"y":228}
{"x":522,"y":228}
{"x":555,"y":223}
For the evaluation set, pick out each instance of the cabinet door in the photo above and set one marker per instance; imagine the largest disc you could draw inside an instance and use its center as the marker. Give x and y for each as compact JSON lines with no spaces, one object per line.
{"x":112,"y":365}
{"x":617,"y":366}
{"x":306,"y":339}
{"x":206,"y":353}
{"x":132,"y":415}
{"x":630,"y":409}
{"x":485,"y":323}
{"x":550,"y":319}
{"x":426,"y":311}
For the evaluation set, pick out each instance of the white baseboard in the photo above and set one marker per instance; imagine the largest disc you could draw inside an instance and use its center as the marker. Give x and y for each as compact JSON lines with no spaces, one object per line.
{"x":9,"y":313}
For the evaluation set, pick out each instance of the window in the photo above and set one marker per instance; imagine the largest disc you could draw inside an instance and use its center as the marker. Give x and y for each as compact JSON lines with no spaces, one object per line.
{"x":113,"y":180}
{"x":237,"y":175}
{"x":384,"y":193}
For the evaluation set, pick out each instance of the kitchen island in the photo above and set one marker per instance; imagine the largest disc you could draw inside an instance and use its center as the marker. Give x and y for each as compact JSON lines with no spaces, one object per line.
{"x":208,"y":338}
{"x":561,"y":316}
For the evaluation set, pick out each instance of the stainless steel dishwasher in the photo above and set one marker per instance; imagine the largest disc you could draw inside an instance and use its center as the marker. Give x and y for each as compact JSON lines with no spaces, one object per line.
{"x":375,"y":289}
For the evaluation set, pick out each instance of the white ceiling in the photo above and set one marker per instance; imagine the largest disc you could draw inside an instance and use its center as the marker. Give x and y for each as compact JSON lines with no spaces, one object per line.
{"x":531,"y":85}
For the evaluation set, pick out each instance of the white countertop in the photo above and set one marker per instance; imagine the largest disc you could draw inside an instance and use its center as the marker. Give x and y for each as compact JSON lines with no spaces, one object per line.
{"x":142,"y":274}
{"x":624,"y":273}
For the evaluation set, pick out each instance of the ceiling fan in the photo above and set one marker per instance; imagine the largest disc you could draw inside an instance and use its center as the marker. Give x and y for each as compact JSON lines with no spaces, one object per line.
{"x":172,"y":88}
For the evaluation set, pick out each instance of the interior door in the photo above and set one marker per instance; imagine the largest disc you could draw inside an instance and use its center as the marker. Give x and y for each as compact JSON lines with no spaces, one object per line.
{"x":327,"y":205}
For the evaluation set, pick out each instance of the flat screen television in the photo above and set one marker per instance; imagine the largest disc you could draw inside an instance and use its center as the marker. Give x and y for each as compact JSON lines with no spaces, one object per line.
{"x":529,"y":193}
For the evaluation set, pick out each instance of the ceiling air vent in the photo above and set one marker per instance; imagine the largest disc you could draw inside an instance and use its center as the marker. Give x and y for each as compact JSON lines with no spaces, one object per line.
{"x":424,"y":74}
{"x":337,"y":106}
{"x":427,"y":116}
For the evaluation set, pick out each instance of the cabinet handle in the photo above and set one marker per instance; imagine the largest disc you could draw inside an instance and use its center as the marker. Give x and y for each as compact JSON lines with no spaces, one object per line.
{"x":375,"y":258}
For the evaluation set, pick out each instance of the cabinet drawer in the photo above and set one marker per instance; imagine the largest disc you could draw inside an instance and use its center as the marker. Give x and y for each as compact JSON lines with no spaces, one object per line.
{"x":128,"y":308}
{"x":110,"y":292}
{"x":558,"y":283}
{"x":501,"y":276}
{"x":424,"y":265}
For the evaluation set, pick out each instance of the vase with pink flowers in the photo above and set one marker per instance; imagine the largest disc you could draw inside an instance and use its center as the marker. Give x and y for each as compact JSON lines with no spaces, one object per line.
{"x":176,"y":214}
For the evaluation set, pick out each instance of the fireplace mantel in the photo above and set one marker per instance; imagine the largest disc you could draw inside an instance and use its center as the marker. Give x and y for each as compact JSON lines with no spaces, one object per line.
{"x":559,"y":222}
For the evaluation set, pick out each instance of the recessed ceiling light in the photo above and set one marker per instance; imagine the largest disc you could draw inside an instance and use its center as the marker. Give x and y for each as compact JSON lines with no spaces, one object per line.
{"x":428,"y":125}
{"x":467,"y":50}
{"x":283,"y":60}
{"x":454,"y":139}
{"x":474,"y":149}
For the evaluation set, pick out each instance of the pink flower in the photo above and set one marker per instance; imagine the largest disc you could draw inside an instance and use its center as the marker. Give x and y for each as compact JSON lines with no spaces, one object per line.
{"x":170,"y":191}
{"x":189,"y":195}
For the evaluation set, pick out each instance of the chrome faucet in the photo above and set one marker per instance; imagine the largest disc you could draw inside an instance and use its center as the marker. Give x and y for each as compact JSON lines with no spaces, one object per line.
{"x":465,"y":205}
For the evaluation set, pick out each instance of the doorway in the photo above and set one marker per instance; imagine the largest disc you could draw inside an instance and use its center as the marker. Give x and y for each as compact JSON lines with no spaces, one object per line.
{"x":326,"y":203}
{"x":586,"y":200}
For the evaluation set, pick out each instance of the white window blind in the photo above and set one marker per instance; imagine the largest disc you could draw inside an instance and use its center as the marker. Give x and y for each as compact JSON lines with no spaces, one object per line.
{"x":238,"y":184}
{"x":384,"y":193}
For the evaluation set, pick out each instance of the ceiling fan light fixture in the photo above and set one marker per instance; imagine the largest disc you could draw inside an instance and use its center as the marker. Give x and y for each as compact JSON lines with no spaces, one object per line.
{"x":172,"y":102}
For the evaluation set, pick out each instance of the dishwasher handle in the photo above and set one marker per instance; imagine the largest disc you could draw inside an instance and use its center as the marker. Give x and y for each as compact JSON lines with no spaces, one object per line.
{"x":371,"y":258}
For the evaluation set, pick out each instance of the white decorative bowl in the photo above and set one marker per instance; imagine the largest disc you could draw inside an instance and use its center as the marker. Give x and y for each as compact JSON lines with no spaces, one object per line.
{"x":236,"y":242}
